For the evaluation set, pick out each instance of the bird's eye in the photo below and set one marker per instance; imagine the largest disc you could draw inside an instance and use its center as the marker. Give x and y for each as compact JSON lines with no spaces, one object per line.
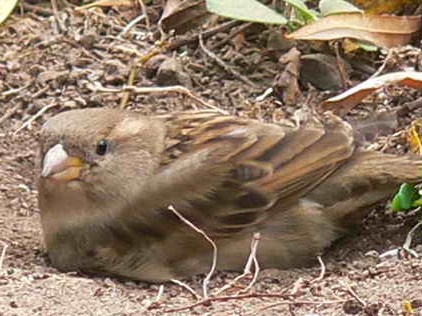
{"x":102,"y":147}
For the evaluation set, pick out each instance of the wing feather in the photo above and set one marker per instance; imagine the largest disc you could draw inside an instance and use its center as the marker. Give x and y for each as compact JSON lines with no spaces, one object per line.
{"x":255,"y":164}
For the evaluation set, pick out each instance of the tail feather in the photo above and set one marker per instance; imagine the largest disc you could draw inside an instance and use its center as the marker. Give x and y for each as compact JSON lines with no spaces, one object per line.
{"x":384,"y":168}
{"x":366,"y":180}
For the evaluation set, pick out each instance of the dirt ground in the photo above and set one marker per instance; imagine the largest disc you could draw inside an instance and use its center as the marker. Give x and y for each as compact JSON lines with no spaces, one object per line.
{"x":42,"y":69}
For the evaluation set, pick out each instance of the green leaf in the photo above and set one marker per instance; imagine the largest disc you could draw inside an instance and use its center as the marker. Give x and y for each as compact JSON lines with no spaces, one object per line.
{"x":245,"y":10}
{"x":307,"y":15}
{"x":6,"y":7}
{"x":328,"y":7}
{"x":417,"y":203}
{"x":366,"y":46}
{"x":405,"y":198}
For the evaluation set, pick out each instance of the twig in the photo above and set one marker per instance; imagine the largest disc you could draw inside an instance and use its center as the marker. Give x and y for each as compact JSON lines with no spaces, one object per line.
{"x":291,"y":310}
{"x":266,"y":93}
{"x":3,"y":253}
{"x":214,"y":246}
{"x":37,"y":115}
{"x":406,"y":245}
{"x":187,"y":287}
{"x":37,"y":9}
{"x":301,"y":302}
{"x":247,"y":270}
{"x":14,"y":91}
{"x":253,"y":259}
{"x":126,"y":50}
{"x":144,"y":11}
{"x":230,"y":36}
{"x":106,"y":18}
{"x":246,"y":296}
{"x":158,"y":48}
{"x":297,"y":286}
{"x":179,"y":89}
{"x":223,"y":64}
{"x":205,"y":35}
{"x":157,"y":298}
{"x":354,"y":295}
{"x":322,"y":273}
{"x":60,"y":26}
{"x":39,"y":92}
{"x":384,"y":64}
{"x":13,"y":110}
{"x":164,"y":45}
{"x":397,"y":252}
{"x":131,"y":24}
{"x":340,"y":66}
{"x":9,"y":113}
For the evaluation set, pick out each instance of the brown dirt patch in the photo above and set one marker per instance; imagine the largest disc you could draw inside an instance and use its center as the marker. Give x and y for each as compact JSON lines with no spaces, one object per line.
{"x":51,"y":69}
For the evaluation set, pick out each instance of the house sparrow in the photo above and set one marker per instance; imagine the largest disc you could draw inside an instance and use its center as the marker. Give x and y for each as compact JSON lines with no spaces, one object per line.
{"x":108,"y":177}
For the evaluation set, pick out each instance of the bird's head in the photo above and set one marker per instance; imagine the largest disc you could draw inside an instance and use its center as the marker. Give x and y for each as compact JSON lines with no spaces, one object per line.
{"x":97,"y":154}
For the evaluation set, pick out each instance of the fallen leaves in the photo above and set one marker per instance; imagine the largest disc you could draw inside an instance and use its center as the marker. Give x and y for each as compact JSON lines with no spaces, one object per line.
{"x":382,"y":6}
{"x":106,"y":3}
{"x":6,"y":8}
{"x":286,"y":84}
{"x":383,"y":30}
{"x":344,"y":102}
{"x":183,"y":16}
{"x":414,"y":135}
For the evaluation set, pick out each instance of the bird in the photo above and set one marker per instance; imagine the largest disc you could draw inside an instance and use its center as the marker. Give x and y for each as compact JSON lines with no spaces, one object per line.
{"x":109,"y":179}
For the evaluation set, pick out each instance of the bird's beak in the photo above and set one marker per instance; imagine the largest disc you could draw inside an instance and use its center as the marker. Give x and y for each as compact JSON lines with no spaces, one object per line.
{"x":58,"y":165}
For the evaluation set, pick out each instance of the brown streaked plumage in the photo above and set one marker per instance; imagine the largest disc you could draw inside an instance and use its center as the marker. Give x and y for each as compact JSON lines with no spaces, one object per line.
{"x":108,"y":178}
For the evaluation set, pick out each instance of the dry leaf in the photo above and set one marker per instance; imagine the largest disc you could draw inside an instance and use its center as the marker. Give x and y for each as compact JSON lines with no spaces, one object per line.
{"x":382,"y":30}
{"x":344,"y":102}
{"x":183,"y":17}
{"x":238,"y":41}
{"x":382,"y":6}
{"x":106,"y":3}
{"x":286,"y":84}
{"x":414,"y":134}
{"x":6,"y":8}
{"x":170,"y":7}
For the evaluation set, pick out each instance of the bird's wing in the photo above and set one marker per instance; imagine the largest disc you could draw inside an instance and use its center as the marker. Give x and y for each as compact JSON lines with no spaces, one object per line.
{"x":227,"y":171}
